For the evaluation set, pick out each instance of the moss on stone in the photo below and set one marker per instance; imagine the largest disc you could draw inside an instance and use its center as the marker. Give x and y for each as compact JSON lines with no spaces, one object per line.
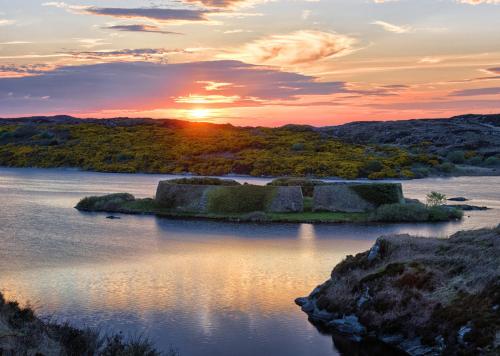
{"x":379,"y":193}
{"x":240,"y":199}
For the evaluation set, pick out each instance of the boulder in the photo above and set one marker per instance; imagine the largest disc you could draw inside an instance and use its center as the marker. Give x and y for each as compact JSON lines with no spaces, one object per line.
{"x":356,"y":197}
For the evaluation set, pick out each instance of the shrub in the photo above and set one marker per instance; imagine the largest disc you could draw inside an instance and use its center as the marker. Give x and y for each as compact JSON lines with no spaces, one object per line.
{"x":412,"y":212}
{"x":435,"y":199}
{"x":297,"y":147}
{"x":307,"y":185}
{"x":456,"y":157}
{"x":475,"y":161}
{"x":379,"y":193}
{"x":415,"y":212}
{"x":444,"y":213}
{"x":421,"y":172}
{"x":446,"y":167}
{"x":492,"y":161}
{"x":370,"y":167}
{"x":240,"y":199}
{"x":204,"y":181}
{"x":25,"y":131}
{"x":104,"y":203}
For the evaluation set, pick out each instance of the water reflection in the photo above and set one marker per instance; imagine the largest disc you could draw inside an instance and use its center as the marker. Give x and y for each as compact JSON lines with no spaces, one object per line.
{"x":205,"y":287}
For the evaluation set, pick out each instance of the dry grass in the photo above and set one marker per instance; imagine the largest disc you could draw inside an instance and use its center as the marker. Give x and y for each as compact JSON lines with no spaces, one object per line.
{"x":424,"y":288}
{"x":23,"y":333}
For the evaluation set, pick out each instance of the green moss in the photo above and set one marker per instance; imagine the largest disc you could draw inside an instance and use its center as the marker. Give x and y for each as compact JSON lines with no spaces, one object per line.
{"x":379,"y":193}
{"x":240,"y":199}
{"x":105,"y":203}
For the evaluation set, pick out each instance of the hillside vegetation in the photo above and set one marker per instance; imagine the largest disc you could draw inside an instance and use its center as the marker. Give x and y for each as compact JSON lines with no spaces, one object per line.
{"x":169,"y":146}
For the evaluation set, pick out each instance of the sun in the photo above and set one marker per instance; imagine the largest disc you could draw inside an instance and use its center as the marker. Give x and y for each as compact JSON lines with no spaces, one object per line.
{"x":199,"y":113}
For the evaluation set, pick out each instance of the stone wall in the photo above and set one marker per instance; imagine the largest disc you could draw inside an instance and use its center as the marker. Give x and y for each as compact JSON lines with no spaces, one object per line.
{"x":287,"y":200}
{"x":183,"y":197}
{"x":355,"y":197}
{"x":228,"y":199}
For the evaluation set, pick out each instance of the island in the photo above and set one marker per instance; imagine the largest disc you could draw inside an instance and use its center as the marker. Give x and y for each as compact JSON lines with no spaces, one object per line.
{"x":282,"y":200}
{"x":422,"y":296}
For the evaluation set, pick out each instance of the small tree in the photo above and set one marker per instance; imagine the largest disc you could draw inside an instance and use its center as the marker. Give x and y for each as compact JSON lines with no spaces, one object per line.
{"x":435,"y":199}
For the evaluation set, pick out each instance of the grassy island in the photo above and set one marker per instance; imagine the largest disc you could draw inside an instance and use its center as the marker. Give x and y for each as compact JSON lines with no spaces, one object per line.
{"x":211,"y":198}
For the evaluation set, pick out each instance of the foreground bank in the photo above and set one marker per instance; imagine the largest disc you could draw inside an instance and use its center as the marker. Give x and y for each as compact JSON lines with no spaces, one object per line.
{"x":23,"y":333}
{"x":424,"y":296}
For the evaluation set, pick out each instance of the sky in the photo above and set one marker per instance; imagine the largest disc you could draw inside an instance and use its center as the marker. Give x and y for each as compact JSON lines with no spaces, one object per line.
{"x":250,"y":62}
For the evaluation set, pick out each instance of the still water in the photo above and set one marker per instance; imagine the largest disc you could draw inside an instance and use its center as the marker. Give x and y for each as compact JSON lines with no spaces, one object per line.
{"x":205,"y":288}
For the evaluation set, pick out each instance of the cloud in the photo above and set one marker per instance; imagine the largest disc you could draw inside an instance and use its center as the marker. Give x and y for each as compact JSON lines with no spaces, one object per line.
{"x":223,"y":4}
{"x":139,"y":28}
{"x":470,"y":2}
{"x":478,"y":2}
{"x":149,"y":86}
{"x":6,"y":22}
{"x":13,"y":70}
{"x":393,"y":28}
{"x":163,"y":15}
{"x":477,"y":92}
{"x":158,"y":14}
{"x":138,"y":54}
{"x":300,"y":47}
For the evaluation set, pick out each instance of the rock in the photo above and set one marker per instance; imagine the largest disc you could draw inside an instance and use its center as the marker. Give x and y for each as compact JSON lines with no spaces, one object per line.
{"x":467,"y":207}
{"x":412,"y":201}
{"x":392,"y":339}
{"x":458,"y":199}
{"x":319,"y":314}
{"x":414,"y":347}
{"x":301,"y":301}
{"x":364,"y":298}
{"x":307,"y":305}
{"x":464,"y":330}
{"x":348,"y":325}
{"x":374,"y":251}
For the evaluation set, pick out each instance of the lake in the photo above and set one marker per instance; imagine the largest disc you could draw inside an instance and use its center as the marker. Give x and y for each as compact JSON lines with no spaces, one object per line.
{"x":204,"y":288}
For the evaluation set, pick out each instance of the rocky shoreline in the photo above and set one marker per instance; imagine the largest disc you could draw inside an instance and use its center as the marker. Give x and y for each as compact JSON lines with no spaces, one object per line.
{"x":422,"y":296}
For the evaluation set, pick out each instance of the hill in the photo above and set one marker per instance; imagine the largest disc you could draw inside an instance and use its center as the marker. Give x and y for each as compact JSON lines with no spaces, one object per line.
{"x":376,"y":150}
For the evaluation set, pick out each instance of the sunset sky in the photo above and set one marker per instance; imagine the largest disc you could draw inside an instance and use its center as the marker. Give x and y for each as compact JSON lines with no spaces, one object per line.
{"x":250,"y":62}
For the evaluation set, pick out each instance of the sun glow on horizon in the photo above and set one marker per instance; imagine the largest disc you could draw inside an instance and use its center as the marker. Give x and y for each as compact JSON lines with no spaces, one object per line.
{"x":199,"y":113}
